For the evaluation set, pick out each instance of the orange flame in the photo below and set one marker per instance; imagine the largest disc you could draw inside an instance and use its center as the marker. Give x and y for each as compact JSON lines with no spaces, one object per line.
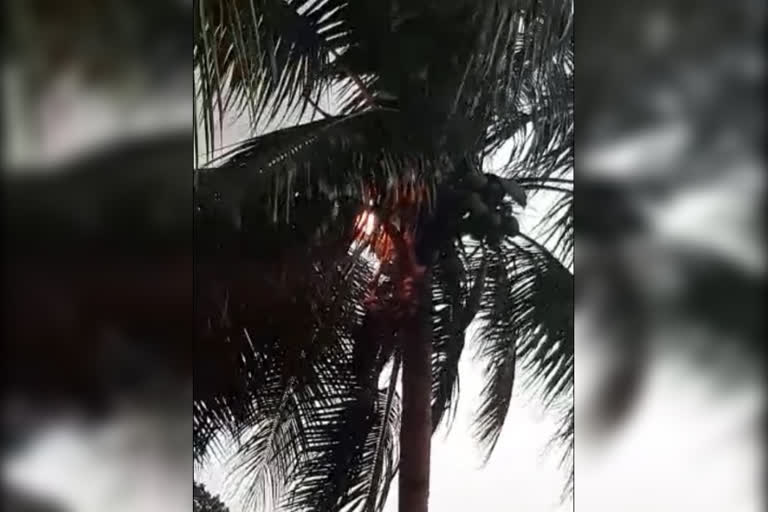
{"x":404,"y":198}
{"x":369,"y":230}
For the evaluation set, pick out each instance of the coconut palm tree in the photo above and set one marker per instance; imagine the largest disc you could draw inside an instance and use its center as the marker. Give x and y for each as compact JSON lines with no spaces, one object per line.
{"x":361,"y":241}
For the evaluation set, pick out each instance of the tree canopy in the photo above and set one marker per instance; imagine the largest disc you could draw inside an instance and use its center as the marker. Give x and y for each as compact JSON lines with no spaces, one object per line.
{"x":301,"y":231}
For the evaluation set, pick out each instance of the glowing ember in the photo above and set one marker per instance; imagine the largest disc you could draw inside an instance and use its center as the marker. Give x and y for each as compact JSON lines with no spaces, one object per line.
{"x":366,"y":223}
{"x":368,"y":232}
{"x":370,"y":224}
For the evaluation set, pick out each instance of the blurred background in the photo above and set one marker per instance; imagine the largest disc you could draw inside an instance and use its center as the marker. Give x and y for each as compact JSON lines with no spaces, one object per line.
{"x":670,"y":265}
{"x":97,"y":286}
{"x":97,"y":114}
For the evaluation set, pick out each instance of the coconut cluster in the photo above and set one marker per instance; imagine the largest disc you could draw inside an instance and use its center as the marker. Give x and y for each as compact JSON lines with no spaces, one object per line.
{"x":486,"y":214}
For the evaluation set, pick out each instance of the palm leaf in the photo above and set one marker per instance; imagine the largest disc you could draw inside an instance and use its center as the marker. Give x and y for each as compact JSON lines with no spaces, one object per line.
{"x":456,"y":300}
{"x":266,"y":57}
{"x":556,"y":226}
{"x":526,"y":320}
{"x":347,"y":158}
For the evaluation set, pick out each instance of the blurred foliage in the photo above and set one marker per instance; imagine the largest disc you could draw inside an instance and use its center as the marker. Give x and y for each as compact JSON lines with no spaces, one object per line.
{"x":98,"y":262}
{"x":670,"y":110}
{"x":104,"y":40}
{"x":97,"y":247}
{"x":16,"y":501}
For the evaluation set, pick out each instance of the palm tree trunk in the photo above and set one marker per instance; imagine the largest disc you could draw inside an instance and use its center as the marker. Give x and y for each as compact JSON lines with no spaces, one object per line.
{"x":416,"y":424}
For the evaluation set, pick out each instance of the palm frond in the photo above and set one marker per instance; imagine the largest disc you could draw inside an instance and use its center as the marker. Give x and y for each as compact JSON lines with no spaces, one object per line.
{"x":558,"y":230}
{"x":524,"y":51}
{"x":540,"y":128}
{"x":334,"y":159}
{"x":546,"y":308}
{"x":350,"y":446}
{"x":555,"y":229}
{"x":499,"y":348}
{"x":565,"y":438}
{"x":271,"y":56}
{"x":265,"y":57}
{"x":384,"y":445}
{"x":312,"y":434}
{"x":457,"y":290}
{"x":527,"y":320}
{"x":257,"y":333}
